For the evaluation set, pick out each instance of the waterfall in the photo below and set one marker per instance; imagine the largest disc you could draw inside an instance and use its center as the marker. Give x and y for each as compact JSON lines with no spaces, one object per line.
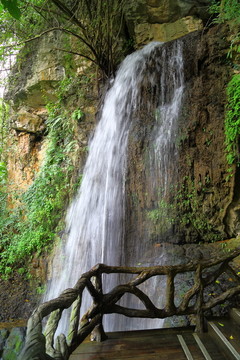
{"x":165,"y":76}
{"x":95,"y":220}
{"x":164,"y":154}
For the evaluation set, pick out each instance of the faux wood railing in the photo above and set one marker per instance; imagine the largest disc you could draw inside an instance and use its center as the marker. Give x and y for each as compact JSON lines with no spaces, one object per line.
{"x":41,"y":346}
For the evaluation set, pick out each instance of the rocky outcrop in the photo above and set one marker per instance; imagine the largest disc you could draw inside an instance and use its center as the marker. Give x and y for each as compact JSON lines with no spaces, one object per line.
{"x":203,"y":140}
{"x":166,"y":11}
{"x":33,"y":81}
{"x":4,"y":333}
{"x":231,"y":219}
{"x":12,"y":342}
{"x":29,"y":121}
{"x":34,"y":84}
{"x":155,"y":20}
{"x":145,"y":32}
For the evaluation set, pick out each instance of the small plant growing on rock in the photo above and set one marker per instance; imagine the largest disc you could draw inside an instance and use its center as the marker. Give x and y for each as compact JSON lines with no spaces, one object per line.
{"x":232,"y":120}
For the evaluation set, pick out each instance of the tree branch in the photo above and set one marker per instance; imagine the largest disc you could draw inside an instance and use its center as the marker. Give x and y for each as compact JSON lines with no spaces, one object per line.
{"x":77,"y":53}
{"x":221,"y":298}
{"x":21,"y":43}
{"x":33,"y":38}
{"x":69,"y":13}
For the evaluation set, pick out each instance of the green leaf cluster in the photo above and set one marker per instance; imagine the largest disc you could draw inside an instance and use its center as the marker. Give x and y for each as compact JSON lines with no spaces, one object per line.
{"x":232,"y":120}
{"x":3,"y":172}
{"x":229,"y":11}
{"x":190,"y":213}
{"x":3,"y":126}
{"x":12,"y":7}
{"x":184,"y":210}
{"x":225,"y":10}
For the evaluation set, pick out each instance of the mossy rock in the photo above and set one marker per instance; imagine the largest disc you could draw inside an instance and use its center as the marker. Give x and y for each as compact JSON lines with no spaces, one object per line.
{"x":176,"y":321}
{"x":4,"y":333}
{"x":14,"y":343}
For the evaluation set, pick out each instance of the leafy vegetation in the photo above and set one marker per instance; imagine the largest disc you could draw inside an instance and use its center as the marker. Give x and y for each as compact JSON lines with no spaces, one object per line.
{"x":184,"y":208}
{"x":162,"y":217}
{"x":229,"y":11}
{"x":232,"y":120}
{"x":32,"y":225}
{"x":95,"y":27}
{"x":189,"y":203}
{"x":225,"y":10}
{"x":12,"y":7}
{"x":3,"y":127}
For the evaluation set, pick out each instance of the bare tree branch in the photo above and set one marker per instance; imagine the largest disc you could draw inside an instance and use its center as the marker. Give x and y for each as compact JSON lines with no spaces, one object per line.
{"x":69,"y":13}
{"x":77,"y":53}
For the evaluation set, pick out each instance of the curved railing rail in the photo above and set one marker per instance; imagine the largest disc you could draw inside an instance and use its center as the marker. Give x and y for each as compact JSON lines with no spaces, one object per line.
{"x":41,"y":346}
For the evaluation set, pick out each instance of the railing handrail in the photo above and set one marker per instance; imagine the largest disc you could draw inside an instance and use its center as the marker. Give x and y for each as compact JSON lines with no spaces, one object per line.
{"x":42,"y":347}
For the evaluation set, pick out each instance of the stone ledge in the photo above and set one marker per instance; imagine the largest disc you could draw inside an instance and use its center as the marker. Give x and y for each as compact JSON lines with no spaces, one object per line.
{"x":146,"y":32}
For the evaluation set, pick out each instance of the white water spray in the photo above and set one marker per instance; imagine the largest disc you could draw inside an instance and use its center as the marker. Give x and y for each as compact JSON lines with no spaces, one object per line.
{"x":95,"y":220}
{"x":168,"y":78}
{"x":165,"y":131}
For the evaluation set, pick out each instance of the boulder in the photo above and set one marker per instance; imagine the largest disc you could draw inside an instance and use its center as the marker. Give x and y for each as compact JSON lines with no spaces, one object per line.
{"x":14,"y":343}
{"x":4,"y":333}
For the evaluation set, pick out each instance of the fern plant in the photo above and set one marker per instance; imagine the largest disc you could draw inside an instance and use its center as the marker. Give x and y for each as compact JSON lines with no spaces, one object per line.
{"x":232,"y":120}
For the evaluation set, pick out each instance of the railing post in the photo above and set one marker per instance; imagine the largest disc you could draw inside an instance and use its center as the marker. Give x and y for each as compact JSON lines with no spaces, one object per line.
{"x":200,"y":328}
{"x":35,"y":345}
{"x":50,"y":330}
{"x":98,"y":334}
{"x":74,"y":320}
{"x":200,"y":325}
{"x":170,"y":290}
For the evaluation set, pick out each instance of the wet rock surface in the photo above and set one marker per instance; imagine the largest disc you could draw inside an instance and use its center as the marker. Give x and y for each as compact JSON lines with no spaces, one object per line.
{"x":13,"y":343}
{"x":4,"y":333}
{"x":201,"y":192}
{"x":17,"y":303}
{"x":16,"y":298}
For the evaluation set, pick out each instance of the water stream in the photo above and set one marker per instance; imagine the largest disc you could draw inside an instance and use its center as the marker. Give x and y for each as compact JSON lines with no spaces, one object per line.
{"x":95,"y":220}
{"x":166,"y":76}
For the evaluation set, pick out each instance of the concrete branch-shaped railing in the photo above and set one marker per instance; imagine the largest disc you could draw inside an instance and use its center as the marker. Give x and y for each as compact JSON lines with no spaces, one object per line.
{"x":206,"y":272}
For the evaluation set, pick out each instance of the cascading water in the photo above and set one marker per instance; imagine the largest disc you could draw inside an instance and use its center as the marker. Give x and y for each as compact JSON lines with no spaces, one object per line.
{"x":164,"y":154}
{"x":95,"y":221}
{"x":166,"y":77}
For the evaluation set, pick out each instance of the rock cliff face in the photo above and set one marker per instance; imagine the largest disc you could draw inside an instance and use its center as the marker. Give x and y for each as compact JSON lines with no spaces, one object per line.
{"x":34,"y":85}
{"x":165,"y":20}
{"x":202,"y":144}
{"x":35,"y":77}
{"x":201,"y":192}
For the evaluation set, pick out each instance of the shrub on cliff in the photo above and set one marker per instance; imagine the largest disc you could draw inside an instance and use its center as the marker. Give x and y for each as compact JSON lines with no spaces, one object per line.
{"x":97,"y":27}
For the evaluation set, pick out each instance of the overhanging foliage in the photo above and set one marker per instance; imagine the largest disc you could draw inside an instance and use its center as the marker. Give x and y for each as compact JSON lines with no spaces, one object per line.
{"x":97,"y":26}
